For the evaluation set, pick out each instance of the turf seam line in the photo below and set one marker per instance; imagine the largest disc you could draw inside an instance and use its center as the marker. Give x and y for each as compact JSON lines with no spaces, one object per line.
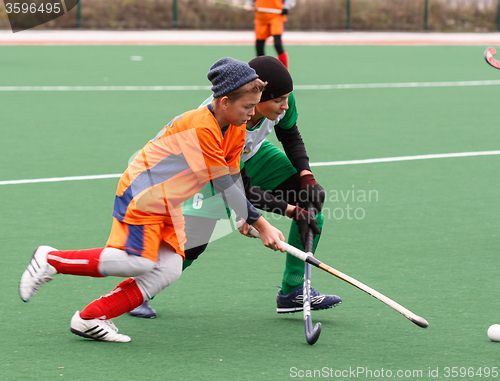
{"x":319,"y":164}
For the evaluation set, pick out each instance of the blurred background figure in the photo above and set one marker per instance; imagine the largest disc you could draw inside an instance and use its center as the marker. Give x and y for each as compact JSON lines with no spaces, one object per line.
{"x":269,"y":24}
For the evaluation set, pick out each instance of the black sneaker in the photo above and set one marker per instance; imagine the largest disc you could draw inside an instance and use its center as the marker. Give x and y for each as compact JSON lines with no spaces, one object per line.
{"x":293,"y":302}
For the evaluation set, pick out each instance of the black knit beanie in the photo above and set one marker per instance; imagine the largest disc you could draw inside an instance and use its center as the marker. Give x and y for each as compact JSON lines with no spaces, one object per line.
{"x":272,"y":71}
{"x":228,"y":74}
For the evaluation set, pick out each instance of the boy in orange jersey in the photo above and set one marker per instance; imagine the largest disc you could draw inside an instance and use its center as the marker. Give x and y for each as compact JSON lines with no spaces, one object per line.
{"x":270,"y":24}
{"x":146,"y":244}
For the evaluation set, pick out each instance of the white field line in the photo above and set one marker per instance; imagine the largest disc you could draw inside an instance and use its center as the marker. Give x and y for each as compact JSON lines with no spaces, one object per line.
{"x":297,"y":87}
{"x":59,"y":179}
{"x":103,"y":88}
{"x":405,"y":158}
{"x":320,"y":164}
{"x":397,"y":85}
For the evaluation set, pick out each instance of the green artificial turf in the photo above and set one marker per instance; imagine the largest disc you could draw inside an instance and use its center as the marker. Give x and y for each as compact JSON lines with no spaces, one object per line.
{"x":424,"y":233}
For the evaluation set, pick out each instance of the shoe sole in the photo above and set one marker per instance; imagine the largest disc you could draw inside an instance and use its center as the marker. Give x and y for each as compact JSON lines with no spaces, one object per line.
{"x":143,"y":316}
{"x":83,"y":334}
{"x":298,"y":309}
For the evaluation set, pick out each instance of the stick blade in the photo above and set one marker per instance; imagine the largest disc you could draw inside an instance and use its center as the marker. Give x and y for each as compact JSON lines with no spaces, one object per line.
{"x":488,"y":56}
{"x":421,"y":322}
{"x":312,"y":337}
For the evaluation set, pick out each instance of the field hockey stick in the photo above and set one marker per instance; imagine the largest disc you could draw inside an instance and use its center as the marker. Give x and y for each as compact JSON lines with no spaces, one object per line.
{"x":488,"y":56}
{"x":259,"y":9}
{"x":312,"y":335}
{"x":421,"y":322}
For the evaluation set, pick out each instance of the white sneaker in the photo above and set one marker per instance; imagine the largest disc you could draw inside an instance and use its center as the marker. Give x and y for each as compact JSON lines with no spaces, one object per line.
{"x":37,"y":273}
{"x":97,"y":329}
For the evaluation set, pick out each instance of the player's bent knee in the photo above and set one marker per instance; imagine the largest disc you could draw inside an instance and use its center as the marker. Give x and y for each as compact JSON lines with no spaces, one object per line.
{"x":155,"y":281}
{"x":116,"y":262}
{"x":167,"y":271}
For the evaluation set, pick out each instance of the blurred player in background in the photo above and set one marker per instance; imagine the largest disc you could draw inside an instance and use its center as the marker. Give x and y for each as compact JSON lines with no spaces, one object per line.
{"x":270,"y":24}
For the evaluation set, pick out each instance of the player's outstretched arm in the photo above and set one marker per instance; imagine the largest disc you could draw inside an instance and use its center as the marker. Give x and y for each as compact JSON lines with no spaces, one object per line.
{"x":267,"y":202}
{"x":261,"y":199}
{"x":295,"y":150}
{"x":294,"y":146}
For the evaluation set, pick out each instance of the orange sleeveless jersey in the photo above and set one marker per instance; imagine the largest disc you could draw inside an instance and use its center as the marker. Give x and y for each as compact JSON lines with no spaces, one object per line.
{"x":277,"y":4}
{"x":174,"y":166}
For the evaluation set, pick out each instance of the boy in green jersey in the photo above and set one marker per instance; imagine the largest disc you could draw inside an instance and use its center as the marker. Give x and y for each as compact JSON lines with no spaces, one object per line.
{"x":275,"y":181}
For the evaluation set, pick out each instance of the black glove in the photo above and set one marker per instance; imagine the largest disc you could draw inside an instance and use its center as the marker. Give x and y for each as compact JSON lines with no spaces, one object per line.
{"x":311,"y":191}
{"x":284,"y":11}
{"x":305,"y":221}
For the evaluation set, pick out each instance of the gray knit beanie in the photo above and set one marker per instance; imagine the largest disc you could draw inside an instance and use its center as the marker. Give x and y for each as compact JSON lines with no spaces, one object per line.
{"x":228,"y":74}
